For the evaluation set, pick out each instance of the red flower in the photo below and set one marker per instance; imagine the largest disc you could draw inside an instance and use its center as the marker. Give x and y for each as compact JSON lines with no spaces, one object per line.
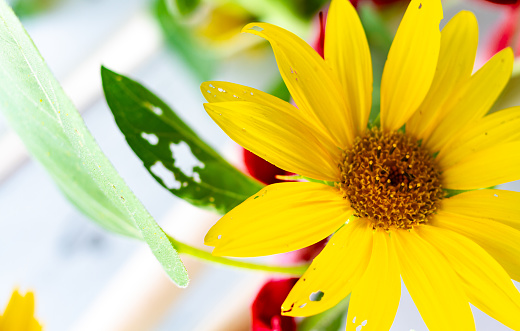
{"x":505,"y":31}
{"x":504,"y":2}
{"x":266,"y":311}
{"x":387,"y":2}
{"x":260,"y":169}
{"x":319,"y":45}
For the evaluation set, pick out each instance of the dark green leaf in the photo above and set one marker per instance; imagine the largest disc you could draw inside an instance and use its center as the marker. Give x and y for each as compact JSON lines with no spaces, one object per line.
{"x":330,"y":320}
{"x":177,"y":158}
{"x":53,"y":131}
{"x":305,"y":8}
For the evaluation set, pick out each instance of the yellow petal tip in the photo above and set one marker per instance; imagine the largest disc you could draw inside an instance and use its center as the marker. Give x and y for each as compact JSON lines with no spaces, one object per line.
{"x":253,"y":28}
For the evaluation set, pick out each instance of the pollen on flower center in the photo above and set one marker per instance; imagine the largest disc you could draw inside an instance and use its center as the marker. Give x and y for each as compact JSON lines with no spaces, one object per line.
{"x":391,"y":180}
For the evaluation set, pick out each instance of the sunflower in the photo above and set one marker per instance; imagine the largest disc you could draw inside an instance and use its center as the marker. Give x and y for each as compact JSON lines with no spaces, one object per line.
{"x":19,"y":314}
{"x":392,"y":207}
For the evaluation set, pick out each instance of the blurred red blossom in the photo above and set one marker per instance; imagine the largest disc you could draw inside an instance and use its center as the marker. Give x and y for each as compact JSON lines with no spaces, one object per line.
{"x":505,"y":32}
{"x":266,"y":311}
{"x":504,"y":2}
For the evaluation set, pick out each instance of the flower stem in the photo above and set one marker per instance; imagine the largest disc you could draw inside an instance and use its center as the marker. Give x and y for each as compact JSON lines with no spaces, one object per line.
{"x":183,"y":248}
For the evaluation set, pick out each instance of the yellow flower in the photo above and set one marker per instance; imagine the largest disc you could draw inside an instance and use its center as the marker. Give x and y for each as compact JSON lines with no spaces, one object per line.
{"x":388,"y":212}
{"x":19,"y":314}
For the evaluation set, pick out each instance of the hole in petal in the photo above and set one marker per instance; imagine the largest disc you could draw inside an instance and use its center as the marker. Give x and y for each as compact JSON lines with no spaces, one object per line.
{"x":257,"y":28}
{"x":316,"y":296}
{"x":301,"y":306}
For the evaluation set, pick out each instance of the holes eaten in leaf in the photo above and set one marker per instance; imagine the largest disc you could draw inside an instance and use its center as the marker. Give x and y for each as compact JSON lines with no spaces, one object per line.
{"x":151,"y":138}
{"x":185,"y":161}
{"x":167,"y":177}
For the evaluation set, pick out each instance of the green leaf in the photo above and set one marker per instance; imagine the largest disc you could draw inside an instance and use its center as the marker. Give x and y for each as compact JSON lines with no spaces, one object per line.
{"x":200,"y":59}
{"x":510,"y":97}
{"x":330,"y":320}
{"x":379,"y":39}
{"x":182,"y":7}
{"x":32,"y":7}
{"x":173,"y":154}
{"x":53,"y":131}
{"x":280,"y":90}
{"x":305,"y":8}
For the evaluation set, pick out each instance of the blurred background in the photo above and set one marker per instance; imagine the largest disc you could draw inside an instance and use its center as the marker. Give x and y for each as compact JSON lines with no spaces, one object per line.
{"x":86,"y":278}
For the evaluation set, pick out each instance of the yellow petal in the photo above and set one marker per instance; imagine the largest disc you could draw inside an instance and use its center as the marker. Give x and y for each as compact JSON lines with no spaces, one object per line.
{"x":459,"y":39}
{"x":215,"y":91}
{"x":334,"y":272}
{"x":19,"y":314}
{"x":277,"y":137}
{"x":486,"y":283}
{"x":474,"y":99}
{"x":499,"y":240}
{"x":493,"y":166}
{"x":498,"y":205}
{"x":433,"y":284}
{"x":375,"y":298}
{"x":311,"y":82}
{"x":496,"y":128}
{"x":411,"y":63}
{"x":279,"y":218}
{"x":347,"y":52}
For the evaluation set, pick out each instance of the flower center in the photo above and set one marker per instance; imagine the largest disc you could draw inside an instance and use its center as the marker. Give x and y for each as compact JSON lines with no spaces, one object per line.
{"x":390,"y":180}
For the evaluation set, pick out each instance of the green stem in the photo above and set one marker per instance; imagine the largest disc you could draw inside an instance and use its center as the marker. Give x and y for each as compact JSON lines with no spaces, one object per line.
{"x":183,"y":248}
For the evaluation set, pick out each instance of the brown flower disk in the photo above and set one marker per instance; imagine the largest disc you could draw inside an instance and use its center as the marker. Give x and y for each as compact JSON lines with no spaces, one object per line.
{"x":391,"y":180}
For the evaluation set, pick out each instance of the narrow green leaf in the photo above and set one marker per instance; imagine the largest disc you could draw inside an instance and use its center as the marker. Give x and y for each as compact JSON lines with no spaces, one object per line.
{"x":173,"y":154}
{"x":200,"y":59}
{"x":53,"y":131}
{"x":330,"y":320}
